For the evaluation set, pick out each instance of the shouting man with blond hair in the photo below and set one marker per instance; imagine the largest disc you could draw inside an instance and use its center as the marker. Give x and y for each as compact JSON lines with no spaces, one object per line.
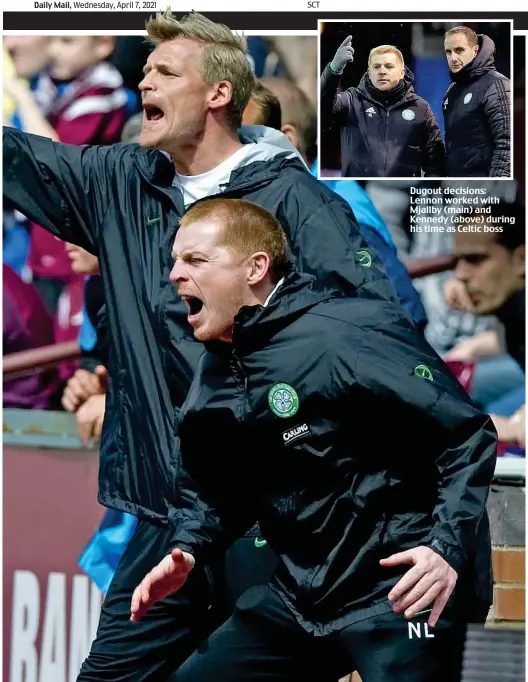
{"x":124,"y":203}
{"x":387,"y":130}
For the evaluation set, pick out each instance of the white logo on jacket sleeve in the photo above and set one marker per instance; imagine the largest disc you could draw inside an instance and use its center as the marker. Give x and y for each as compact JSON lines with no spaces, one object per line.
{"x":295,"y":433}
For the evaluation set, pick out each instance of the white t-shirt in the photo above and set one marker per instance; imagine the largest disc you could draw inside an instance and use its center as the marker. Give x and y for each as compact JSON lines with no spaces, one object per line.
{"x":195,"y":187}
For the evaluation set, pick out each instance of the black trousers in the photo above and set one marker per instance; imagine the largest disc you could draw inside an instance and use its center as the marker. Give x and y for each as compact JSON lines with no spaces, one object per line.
{"x":152,"y":649}
{"x":262,"y":641}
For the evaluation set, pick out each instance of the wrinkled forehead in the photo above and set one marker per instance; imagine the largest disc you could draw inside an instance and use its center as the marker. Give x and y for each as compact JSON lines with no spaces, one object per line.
{"x":200,"y":235}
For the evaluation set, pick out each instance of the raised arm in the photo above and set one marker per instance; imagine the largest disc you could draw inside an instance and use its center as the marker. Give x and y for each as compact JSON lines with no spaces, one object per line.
{"x":59,"y":186}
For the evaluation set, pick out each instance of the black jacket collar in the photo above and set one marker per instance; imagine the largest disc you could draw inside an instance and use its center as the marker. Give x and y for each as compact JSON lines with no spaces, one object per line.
{"x":255,"y":325}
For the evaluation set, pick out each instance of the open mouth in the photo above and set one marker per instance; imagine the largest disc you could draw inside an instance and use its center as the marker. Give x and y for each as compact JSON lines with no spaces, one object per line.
{"x":194,"y":305}
{"x":152,"y":113}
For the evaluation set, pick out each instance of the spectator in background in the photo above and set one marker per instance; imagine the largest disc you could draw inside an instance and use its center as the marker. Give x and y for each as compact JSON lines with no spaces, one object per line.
{"x":489,"y":279}
{"x":298,"y":116}
{"x":477,"y":108}
{"x":79,"y":99}
{"x":297,"y":58}
{"x":26,"y":58}
{"x":387,"y":130}
{"x":129,"y":56}
{"x":26,"y":324}
{"x":263,"y":109}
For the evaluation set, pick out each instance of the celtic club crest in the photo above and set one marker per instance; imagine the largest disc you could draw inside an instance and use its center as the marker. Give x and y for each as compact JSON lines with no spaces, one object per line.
{"x":283,"y":400}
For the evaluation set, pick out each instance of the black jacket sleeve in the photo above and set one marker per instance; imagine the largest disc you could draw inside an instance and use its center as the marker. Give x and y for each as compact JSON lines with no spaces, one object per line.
{"x":403,"y":371}
{"x":208,"y":519}
{"x":433,"y":161}
{"x":327,"y":242}
{"x":334,"y":106}
{"x":497,"y":109}
{"x":58,"y":186}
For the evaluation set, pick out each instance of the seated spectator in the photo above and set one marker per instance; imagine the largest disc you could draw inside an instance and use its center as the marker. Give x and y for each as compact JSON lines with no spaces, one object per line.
{"x":489,"y":278}
{"x":26,"y":325}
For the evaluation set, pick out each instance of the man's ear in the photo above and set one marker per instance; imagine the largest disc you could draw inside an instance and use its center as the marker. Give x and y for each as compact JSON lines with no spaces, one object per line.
{"x":258,"y":268}
{"x":291,"y":133}
{"x":519,"y":261}
{"x":476,"y":49}
{"x":221,"y":94}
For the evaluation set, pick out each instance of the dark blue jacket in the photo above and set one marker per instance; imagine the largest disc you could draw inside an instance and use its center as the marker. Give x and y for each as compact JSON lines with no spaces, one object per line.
{"x":397,"y":139}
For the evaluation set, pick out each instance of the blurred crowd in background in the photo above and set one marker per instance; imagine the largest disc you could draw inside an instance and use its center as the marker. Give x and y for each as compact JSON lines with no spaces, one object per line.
{"x":83,"y":90}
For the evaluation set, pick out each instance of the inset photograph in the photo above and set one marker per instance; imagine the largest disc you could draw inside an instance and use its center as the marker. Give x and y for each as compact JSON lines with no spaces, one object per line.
{"x":415,"y":99}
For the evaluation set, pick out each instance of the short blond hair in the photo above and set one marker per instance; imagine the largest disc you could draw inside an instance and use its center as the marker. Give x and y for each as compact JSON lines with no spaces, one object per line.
{"x":384,"y":49}
{"x":224,"y":56}
{"x":246,"y":229}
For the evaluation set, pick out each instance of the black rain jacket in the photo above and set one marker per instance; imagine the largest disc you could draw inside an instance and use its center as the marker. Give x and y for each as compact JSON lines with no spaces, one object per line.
{"x":346,"y":436}
{"x":477,"y":118}
{"x":401,"y":139}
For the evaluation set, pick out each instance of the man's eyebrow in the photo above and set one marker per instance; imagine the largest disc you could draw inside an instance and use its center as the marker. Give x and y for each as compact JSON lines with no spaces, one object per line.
{"x":163,"y":67}
{"x":185,"y":255}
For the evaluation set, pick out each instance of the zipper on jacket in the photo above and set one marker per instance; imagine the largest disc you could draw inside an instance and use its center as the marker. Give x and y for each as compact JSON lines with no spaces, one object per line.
{"x":241,"y":383}
{"x":385,"y":142}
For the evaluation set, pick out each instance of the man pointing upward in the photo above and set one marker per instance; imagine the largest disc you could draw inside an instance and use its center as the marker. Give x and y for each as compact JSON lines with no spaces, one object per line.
{"x":387,"y":130}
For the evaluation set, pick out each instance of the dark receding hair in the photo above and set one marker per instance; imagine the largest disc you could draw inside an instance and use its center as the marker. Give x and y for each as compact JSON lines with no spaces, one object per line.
{"x":511,"y":217}
{"x":246,"y":229}
{"x":470,"y":34}
{"x":269,"y":108}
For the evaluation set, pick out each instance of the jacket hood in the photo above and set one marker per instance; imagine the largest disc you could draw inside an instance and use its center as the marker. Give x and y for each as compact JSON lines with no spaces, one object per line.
{"x":297,"y":293}
{"x":483,"y":62}
{"x":366,"y":86}
{"x":267,"y":145}
{"x":294,"y":295}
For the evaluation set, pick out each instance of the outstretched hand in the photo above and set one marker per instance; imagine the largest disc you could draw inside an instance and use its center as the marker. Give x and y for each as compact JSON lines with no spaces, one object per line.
{"x":431,"y":580}
{"x":343,"y":56}
{"x":164,"y":579}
